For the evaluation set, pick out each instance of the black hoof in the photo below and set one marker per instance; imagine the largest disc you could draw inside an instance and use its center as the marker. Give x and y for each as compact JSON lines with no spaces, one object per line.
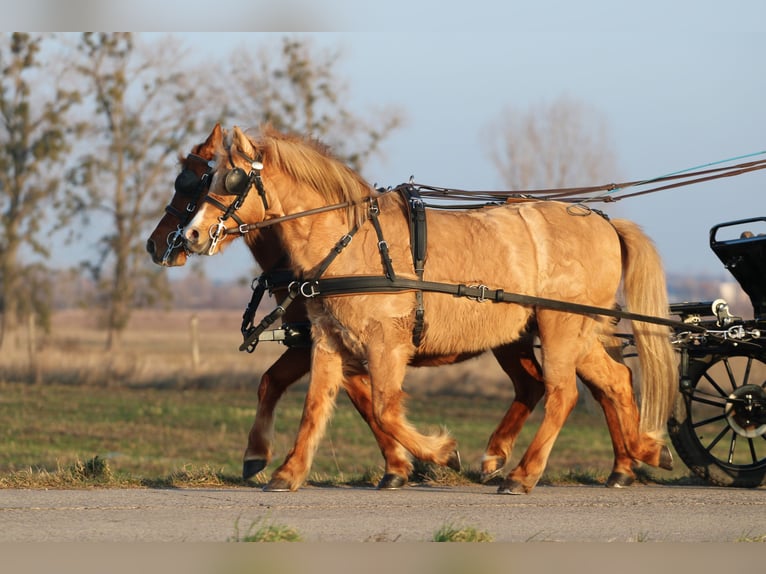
{"x":391,"y":481}
{"x":252,"y":467}
{"x":487,"y":476}
{"x":277,"y":485}
{"x":454,"y":461}
{"x":509,"y":486}
{"x":666,"y":459}
{"x":619,"y":480}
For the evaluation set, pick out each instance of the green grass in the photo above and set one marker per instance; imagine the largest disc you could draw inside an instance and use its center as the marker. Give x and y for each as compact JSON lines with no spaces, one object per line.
{"x":451,"y":533}
{"x":174,"y":437}
{"x":749,"y":537}
{"x":262,"y":531}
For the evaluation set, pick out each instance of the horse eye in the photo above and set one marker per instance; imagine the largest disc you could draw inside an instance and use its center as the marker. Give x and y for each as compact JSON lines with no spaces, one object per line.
{"x":186,"y":183}
{"x":236,"y":182}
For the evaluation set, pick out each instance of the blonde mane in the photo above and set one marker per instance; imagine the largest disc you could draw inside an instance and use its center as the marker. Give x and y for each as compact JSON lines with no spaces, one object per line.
{"x":311,"y":162}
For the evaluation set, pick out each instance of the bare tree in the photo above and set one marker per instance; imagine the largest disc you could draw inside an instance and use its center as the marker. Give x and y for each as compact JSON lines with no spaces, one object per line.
{"x":296,"y":87}
{"x":561,"y":144}
{"x":34,"y":130}
{"x":143,"y":112}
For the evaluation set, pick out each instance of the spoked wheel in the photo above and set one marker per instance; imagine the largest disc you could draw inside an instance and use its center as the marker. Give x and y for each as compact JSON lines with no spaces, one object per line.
{"x":718,"y":425}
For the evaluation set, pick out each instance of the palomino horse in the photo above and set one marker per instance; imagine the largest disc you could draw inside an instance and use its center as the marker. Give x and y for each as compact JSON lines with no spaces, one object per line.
{"x":376,"y":338}
{"x":517,"y":359}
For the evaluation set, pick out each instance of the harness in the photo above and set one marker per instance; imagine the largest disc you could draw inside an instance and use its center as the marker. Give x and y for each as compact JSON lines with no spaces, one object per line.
{"x":238,"y":183}
{"x":192,"y":187}
{"x":389,"y":282}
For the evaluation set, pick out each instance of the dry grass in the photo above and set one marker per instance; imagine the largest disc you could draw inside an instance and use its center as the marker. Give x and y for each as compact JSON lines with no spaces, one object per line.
{"x":156,"y":350}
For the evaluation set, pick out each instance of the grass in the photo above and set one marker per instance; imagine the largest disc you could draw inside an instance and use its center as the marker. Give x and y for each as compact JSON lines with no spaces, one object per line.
{"x":451,"y":533}
{"x":262,"y":531}
{"x":749,"y":537}
{"x":170,"y":438}
{"x":144,"y":417}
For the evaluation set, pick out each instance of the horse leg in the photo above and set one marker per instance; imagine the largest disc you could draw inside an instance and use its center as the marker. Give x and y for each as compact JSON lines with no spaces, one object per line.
{"x":614,"y":381}
{"x":326,"y":378}
{"x":292,"y":365}
{"x":622,"y":474}
{"x":398,"y":464}
{"x":387,"y":366}
{"x":559,"y":339}
{"x":520,"y":364}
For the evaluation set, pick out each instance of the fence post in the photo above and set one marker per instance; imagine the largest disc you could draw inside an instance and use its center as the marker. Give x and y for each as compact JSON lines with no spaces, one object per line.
{"x":194,"y":325}
{"x":34,"y":363}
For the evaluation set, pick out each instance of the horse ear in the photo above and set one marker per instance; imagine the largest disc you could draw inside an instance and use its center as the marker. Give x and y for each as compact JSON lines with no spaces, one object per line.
{"x":214,"y":141}
{"x":241,"y":142}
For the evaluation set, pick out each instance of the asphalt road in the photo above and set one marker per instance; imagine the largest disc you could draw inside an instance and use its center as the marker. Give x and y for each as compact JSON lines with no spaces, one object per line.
{"x":413,"y":514}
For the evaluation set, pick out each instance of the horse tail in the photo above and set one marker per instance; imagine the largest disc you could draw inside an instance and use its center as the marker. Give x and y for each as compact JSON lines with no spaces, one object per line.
{"x":646,"y":293}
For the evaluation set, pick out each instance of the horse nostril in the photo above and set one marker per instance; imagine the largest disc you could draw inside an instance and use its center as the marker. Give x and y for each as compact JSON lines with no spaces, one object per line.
{"x":192,"y":235}
{"x":150,"y":247}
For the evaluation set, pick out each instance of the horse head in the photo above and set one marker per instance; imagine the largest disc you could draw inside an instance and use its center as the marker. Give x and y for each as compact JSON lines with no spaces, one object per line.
{"x":226,"y":205}
{"x":166,"y":244}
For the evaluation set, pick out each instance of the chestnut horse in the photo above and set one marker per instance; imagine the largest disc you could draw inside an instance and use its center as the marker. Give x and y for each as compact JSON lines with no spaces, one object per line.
{"x":516,"y":358}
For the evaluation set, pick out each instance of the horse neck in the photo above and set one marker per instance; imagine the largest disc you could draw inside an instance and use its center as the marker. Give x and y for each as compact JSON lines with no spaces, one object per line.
{"x":266,"y":248}
{"x":306,"y":239}
{"x":309,"y":240}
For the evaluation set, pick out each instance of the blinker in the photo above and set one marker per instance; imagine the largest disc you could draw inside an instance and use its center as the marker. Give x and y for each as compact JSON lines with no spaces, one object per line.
{"x":187,"y":183}
{"x":237,"y":182}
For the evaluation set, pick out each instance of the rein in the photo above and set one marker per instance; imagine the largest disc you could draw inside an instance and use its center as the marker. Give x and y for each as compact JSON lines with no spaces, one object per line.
{"x":245,"y":228}
{"x":412,"y":193}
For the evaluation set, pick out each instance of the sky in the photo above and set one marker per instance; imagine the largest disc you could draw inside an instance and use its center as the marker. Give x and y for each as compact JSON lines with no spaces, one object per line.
{"x":680,"y":84}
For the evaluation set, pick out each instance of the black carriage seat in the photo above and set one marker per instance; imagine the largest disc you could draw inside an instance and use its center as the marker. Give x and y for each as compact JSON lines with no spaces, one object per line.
{"x":745,"y":258}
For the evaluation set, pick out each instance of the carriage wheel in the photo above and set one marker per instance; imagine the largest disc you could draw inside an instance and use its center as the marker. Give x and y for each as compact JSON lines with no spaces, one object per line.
{"x":718,"y":425}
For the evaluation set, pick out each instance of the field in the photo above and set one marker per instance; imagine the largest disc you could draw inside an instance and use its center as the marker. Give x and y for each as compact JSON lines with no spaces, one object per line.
{"x":153,"y":414}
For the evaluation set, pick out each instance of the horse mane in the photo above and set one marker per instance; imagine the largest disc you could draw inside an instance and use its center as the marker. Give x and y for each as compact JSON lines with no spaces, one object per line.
{"x":311,"y":162}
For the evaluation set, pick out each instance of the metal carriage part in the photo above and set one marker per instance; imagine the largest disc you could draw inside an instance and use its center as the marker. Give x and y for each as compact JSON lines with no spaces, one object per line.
{"x":718,"y":425}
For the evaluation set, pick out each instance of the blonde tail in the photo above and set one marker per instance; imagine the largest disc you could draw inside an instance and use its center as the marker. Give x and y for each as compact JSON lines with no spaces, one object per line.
{"x":646,"y":293}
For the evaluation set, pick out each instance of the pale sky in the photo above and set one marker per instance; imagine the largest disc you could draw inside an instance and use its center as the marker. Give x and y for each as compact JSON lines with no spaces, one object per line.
{"x":680,"y":83}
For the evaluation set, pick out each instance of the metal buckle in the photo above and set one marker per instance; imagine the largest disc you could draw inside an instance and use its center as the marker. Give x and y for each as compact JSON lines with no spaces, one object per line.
{"x":482,"y":293}
{"x":309,"y":289}
{"x":216,"y":232}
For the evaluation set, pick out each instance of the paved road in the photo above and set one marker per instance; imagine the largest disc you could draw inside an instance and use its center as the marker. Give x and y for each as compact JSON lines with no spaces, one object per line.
{"x":568,"y":514}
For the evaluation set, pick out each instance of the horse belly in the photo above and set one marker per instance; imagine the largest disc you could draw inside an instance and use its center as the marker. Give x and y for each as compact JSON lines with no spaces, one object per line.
{"x":455,"y":325}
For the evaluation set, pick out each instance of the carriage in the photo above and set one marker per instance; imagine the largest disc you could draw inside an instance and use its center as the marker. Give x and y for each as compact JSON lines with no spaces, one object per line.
{"x":542,"y":264}
{"x":718,"y":425}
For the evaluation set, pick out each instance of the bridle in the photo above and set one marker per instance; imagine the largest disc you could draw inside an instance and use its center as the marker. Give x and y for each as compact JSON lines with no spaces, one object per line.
{"x":193,"y":187}
{"x":236,"y":183}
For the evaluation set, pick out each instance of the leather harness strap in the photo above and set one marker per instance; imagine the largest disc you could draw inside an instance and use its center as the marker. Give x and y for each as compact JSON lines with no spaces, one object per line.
{"x":418,"y":244}
{"x":336,"y":286}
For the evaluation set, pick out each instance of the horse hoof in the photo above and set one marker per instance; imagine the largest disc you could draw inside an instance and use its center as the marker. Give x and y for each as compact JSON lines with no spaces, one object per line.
{"x":666,"y":459}
{"x":511,"y":487}
{"x":486,"y":476}
{"x":391,"y":481}
{"x":252,"y":467}
{"x":277,"y":485}
{"x":619,"y":480}
{"x":453,"y":461}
